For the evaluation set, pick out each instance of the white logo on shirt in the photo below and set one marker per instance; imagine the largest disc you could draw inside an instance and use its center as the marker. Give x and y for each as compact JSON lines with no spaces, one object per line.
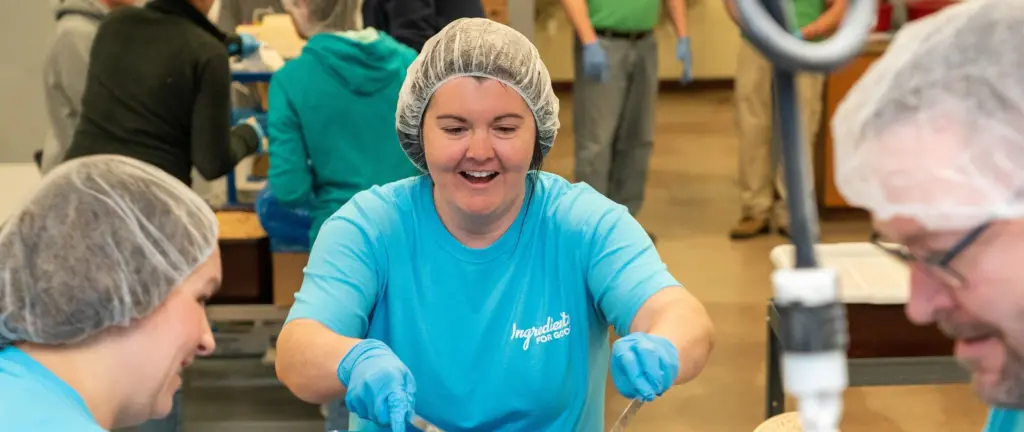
{"x":550,"y":330}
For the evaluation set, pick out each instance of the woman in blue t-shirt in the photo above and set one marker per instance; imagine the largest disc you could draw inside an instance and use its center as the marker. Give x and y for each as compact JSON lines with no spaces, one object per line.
{"x":479,"y":295}
{"x":104,"y":277}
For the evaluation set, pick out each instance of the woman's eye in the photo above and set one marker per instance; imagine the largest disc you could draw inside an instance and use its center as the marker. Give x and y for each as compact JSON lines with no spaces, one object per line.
{"x":454,"y":130}
{"x":505,"y":130}
{"x":203,"y":300}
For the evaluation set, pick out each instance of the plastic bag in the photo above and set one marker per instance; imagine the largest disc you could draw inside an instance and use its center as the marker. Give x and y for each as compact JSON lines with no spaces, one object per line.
{"x":288,"y":228}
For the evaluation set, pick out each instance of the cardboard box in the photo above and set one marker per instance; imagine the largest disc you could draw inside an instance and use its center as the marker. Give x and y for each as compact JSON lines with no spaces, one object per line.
{"x":288,"y":268}
{"x":245,"y":260}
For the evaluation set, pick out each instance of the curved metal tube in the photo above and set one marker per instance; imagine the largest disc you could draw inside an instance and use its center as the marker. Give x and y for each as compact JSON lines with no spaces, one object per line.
{"x":784,"y":50}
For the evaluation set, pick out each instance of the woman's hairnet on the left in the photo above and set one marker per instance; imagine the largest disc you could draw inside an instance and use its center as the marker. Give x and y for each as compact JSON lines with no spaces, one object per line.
{"x":102,"y":242}
{"x":313,"y":17}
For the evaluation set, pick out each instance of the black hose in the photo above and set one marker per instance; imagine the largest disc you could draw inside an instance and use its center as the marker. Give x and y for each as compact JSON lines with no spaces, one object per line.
{"x":789,"y":142}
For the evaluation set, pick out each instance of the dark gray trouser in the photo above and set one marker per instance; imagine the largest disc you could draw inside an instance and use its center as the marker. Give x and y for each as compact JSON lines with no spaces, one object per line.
{"x":614,"y":120}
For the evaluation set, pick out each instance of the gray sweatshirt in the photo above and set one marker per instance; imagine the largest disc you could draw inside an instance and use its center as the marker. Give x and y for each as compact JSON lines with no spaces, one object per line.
{"x":65,"y":71}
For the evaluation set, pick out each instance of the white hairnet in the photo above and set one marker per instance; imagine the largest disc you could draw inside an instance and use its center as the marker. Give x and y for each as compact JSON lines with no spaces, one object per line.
{"x":475,"y":47}
{"x":313,"y":17}
{"x":934,"y":130}
{"x":102,"y":242}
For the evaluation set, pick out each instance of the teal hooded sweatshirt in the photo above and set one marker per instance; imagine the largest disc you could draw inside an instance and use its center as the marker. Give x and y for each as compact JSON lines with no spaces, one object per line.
{"x":331,"y":121}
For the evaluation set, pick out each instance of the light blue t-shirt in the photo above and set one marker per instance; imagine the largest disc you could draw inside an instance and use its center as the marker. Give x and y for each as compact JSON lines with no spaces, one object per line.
{"x":1004,"y":420}
{"x":512,"y":337}
{"x":33,"y":399}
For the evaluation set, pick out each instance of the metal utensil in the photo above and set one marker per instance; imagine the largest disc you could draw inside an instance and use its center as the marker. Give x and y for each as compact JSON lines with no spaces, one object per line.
{"x":424,"y":425}
{"x":627,"y":416}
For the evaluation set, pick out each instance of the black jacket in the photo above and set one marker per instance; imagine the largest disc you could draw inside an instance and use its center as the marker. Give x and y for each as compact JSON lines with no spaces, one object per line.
{"x":158,"y":90}
{"x":412,"y":22}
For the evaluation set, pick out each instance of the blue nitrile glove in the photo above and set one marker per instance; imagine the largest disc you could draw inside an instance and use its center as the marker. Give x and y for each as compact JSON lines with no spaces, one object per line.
{"x":595,"y":62}
{"x":684,"y":55}
{"x":380,"y":387}
{"x":644,"y":366}
{"x":249,"y":45}
{"x":257,"y":126}
{"x":244,"y":46}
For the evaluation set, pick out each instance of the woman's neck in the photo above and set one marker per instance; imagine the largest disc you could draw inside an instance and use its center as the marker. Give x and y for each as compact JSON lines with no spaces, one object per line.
{"x":477,"y":231}
{"x":88,"y":371}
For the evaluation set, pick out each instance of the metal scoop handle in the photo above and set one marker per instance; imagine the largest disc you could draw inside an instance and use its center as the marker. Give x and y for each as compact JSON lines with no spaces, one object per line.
{"x":627,"y":416}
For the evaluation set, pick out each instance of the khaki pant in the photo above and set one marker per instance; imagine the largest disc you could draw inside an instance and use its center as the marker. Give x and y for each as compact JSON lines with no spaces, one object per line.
{"x":760,"y":180}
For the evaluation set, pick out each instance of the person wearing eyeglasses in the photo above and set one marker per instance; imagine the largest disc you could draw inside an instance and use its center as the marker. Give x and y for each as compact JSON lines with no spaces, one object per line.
{"x":931,"y":142}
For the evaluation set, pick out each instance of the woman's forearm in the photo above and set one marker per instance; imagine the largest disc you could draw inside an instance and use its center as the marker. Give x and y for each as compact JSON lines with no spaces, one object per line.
{"x":679,"y":317}
{"x":308,"y":355}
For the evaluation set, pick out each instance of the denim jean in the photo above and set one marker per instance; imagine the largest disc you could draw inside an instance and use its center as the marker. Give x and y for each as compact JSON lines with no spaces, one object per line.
{"x":171,"y":423}
{"x":337,"y":416}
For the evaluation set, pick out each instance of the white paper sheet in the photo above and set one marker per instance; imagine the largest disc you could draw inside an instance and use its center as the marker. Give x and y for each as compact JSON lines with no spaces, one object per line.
{"x":867,"y":275}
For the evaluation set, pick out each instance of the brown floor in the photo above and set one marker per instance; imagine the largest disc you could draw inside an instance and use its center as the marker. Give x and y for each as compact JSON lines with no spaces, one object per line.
{"x":691,"y":204}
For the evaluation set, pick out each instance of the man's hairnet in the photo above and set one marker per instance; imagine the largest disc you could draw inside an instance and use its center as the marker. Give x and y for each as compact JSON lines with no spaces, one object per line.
{"x":102,"y":242}
{"x":313,"y":17}
{"x":475,"y":47}
{"x":934,"y":130}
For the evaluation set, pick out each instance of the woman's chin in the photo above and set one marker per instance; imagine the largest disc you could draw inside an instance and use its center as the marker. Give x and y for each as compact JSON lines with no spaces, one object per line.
{"x":479,"y":206}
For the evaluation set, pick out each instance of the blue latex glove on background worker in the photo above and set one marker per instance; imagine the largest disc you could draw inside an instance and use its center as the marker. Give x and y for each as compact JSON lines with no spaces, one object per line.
{"x":644,"y":366}
{"x":380,"y":388}
{"x":595,"y":61}
{"x":685,"y":56}
{"x":245,"y":46}
{"x":258,"y":126}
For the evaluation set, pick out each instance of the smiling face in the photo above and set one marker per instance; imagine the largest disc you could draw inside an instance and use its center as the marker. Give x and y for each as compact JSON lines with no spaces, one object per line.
{"x":984,"y":313}
{"x":170,"y":338}
{"x":970,"y":286}
{"x":479,"y":138}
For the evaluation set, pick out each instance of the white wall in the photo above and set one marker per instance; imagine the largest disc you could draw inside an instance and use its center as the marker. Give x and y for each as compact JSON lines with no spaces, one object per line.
{"x":26,"y":27}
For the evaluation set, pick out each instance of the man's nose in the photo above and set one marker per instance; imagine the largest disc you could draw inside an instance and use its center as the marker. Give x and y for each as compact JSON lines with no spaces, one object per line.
{"x":928,"y":297}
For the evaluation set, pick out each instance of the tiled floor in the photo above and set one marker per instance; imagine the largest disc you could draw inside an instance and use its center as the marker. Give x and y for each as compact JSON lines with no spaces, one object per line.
{"x":691,"y":204}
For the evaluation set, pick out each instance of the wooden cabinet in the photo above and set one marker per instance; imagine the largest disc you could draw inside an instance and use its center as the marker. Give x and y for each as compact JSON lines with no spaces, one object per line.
{"x":840,"y":82}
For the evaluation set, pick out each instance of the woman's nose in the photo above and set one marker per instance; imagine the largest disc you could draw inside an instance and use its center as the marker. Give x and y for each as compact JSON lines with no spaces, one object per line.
{"x":480,"y":147}
{"x":207,"y":343}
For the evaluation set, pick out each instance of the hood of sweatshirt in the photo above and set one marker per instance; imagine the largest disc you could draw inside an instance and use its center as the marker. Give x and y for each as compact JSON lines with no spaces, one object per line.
{"x":89,"y":8}
{"x":365,"y":62}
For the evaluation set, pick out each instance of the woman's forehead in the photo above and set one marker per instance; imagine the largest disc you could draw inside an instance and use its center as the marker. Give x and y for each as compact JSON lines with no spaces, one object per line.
{"x":473,"y":95}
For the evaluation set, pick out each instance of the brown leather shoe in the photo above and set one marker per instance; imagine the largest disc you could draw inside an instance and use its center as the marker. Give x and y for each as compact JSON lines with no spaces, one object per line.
{"x":749,"y":227}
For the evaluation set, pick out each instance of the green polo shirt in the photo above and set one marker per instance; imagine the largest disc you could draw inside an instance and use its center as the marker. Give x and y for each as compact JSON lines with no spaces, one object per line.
{"x":807,"y":11}
{"x":624,"y":15}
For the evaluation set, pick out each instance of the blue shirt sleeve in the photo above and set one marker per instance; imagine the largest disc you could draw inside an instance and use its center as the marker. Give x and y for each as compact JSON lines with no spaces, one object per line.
{"x":1004,"y":420}
{"x":344,"y":275}
{"x":623,"y":267}
{"x":290,"y":175}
